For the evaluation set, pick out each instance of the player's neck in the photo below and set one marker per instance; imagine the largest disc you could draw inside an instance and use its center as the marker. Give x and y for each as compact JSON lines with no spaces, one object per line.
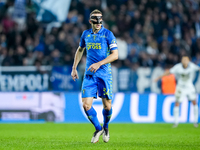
{"x":185,"y":66}
{"x":95,"y":30}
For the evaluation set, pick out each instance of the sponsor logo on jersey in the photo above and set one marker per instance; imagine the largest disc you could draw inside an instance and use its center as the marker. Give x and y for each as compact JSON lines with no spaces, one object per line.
{"x":93,"y":46}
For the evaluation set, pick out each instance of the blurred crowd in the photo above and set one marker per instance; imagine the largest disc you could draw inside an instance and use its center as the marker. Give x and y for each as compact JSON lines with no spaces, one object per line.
{"x":149,"y":33}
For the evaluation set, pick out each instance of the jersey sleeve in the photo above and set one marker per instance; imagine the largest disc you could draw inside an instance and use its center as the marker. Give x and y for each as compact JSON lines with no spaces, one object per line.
{"x":112,"y":43}
{"x":174,"y":69}
{"x":195,"y":67}
{"x":82,"y":40}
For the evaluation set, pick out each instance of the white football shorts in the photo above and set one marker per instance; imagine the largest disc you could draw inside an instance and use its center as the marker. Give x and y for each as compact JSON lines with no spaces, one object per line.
{"x":185,"y":91}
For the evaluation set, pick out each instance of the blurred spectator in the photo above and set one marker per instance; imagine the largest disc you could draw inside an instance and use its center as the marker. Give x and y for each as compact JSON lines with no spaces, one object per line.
{"x":144,"y":60}
{"x":55,"y":58}
{"x":122,"y":45}
{"x":19,"y":56}
{"x":196,"y":59}
{"x":149,"y":32}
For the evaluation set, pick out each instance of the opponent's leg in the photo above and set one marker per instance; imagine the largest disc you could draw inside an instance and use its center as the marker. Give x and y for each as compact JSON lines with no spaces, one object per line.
{"x":176,"y":114}
{"x":92,"y":116}
{"x":107,"y":112}
{"x":195,"y":113}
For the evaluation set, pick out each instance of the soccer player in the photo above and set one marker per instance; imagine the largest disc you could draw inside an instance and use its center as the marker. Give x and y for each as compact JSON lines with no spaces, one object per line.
{"x":101,"y":49}
{"x":185,"y":87}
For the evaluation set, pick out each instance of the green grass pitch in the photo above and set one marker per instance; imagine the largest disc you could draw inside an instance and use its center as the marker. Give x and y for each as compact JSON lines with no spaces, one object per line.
{"x":77,"y":136}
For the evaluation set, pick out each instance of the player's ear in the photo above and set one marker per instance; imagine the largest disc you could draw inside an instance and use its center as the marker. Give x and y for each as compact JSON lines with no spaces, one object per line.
{"x":90,"y":21}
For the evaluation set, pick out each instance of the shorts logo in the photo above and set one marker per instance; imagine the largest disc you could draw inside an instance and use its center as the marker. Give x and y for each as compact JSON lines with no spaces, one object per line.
{"x":106,"y":92}
{"x":83,"y":91}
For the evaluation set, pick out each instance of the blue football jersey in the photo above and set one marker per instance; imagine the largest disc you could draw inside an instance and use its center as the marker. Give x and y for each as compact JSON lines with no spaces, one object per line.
{"x":98,"y":47}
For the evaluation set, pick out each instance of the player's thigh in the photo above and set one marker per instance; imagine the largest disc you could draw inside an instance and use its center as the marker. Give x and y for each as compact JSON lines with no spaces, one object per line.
{"x":191,"y":94}
{"x":89,"y":87}
{"x":105,"y":87}
{"x":179,"y":94}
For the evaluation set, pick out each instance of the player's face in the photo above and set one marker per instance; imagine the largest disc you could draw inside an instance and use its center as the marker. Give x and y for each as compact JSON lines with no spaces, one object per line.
{"x":185,"y":61}
{"x":98,"y":25}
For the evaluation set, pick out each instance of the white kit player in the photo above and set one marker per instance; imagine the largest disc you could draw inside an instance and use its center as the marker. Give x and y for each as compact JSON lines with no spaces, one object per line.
{"x":185,"y":88}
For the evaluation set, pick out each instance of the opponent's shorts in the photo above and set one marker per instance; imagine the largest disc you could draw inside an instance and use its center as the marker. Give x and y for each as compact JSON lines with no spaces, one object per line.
{"x":182,"y":92}
{"x":93,"y":85}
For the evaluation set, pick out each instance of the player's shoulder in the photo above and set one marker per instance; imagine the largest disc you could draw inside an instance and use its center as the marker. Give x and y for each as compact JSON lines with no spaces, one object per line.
{"x":193,"y":65}
{"x":86,"y":32}
{"x":178,"y":65}
{"x":107,"y":31}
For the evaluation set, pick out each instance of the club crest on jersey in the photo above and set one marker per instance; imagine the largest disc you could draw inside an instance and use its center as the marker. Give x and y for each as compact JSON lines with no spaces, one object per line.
{"x":88,"y":35}
{"x":94,"y":37}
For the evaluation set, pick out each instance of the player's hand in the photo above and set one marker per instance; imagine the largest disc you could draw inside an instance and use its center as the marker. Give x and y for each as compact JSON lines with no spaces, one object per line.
{"x":74,"y":74}
{"x":94,"y":67}
{"x":156,"y":79}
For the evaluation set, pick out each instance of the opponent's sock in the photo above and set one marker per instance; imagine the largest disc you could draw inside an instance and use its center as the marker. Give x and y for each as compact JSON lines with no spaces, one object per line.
{"x":196,"y":113}
{"x":176,"y":114}
{"x":106,"y":117}
{"x":92,"y":116}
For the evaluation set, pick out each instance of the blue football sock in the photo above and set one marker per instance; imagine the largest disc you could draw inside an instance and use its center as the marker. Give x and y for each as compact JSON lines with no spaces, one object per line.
{"x":106,"y":116}
{"x":92,"y":116}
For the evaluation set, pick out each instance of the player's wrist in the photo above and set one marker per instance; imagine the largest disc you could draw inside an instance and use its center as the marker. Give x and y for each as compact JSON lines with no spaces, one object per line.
{"x":100,"y":63}
{"x":73,"y":68}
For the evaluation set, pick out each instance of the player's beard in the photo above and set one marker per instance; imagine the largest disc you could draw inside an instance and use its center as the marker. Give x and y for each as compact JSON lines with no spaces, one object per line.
{"x":96,"y":27}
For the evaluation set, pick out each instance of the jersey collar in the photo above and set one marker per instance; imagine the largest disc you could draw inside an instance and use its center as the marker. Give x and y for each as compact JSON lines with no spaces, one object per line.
{"x":187,"y":66}
{"x":101,"y":30}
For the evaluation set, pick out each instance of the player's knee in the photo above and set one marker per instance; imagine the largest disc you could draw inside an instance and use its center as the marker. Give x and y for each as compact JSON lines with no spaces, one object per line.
{"x":107,"y":106}
{"x":194,"y":102}
{"x":86,"y":106}
{"x":177,"y":104}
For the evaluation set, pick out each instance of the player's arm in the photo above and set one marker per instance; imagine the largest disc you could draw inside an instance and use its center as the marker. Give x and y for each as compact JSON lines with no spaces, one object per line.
{"x":112,"y":57}
{"x":77,"y":58}
{"x":173,"y":70}
{"x":166,"y":73}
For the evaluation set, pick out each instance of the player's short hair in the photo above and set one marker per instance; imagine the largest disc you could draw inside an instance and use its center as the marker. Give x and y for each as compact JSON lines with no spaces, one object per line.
{"x":186,"y":54}
{"x":96,"y":11}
